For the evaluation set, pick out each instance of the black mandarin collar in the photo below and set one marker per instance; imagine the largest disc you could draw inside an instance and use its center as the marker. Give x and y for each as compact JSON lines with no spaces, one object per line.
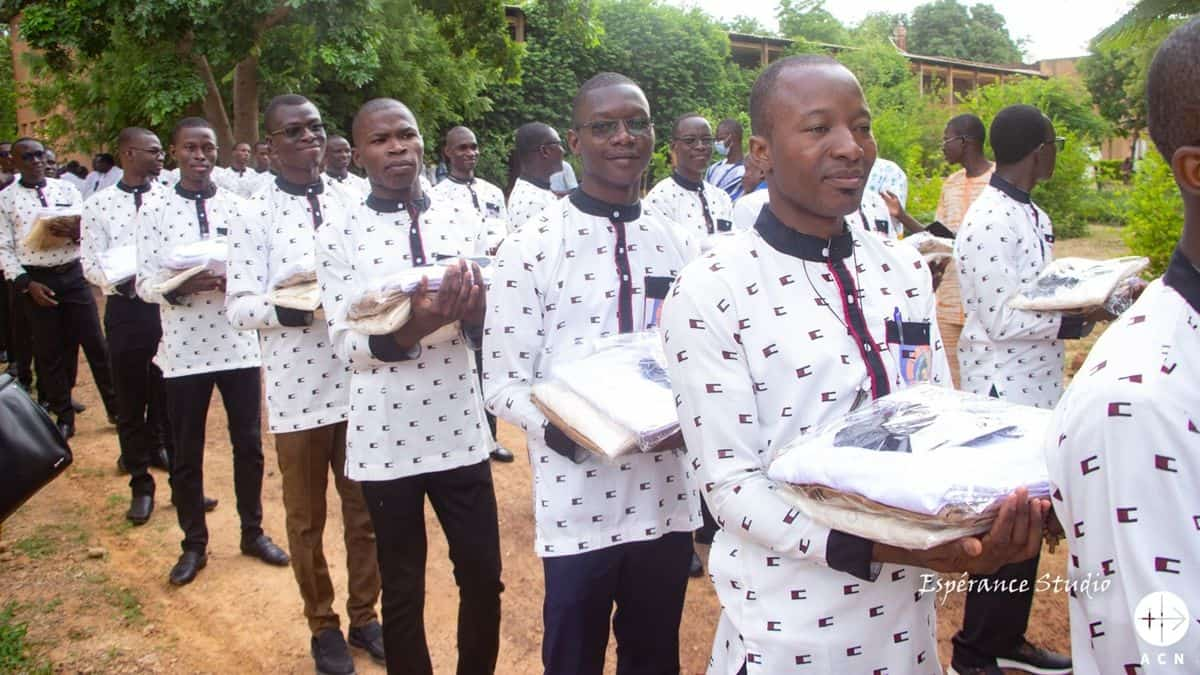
{"x":340,"y":179}
{"x":207,"y":193}
{"x":1184,"y":277}
{"x":35,"y":186}
{"x":395,"y":205}
{"x":470,"y":181}
{"x":623,"y":213}
{"x":297,"y":189}
{"x":694,"y":186}
{"x":544,"y":184}
{"x":133,"y":189}
{"x":804,"y":246}
{"x":1009,"y":189}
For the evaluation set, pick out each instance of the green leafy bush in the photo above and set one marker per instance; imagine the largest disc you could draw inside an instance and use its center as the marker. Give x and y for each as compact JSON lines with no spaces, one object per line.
{"x":1155,"y":213}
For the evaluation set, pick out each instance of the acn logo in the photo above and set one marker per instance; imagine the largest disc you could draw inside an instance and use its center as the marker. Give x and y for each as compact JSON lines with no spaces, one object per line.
{"x":1161,"y":619}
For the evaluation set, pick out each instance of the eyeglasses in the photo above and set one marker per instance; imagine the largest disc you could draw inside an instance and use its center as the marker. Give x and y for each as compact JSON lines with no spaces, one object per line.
{"x":31,"y":155}
{"x":605,"y":129}
{"x":1059,"y":143}
{"x":948,"y":141}
{"x":696,"y":141}
{"x":550,"y":144}
{"x":296,"y":131}
{"x":5,"y":154}
{"x":157,"y":152}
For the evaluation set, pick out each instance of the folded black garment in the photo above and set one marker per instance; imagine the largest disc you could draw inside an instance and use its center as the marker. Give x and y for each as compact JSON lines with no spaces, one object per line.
{"x":32,"y":451}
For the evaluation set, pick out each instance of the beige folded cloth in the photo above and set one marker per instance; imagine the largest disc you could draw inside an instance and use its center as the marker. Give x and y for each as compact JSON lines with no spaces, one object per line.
{"x":587,"y":425}
{"x":379,"y":318}
{"x":304,"y":296}
{"x":40,"y":238}
{"x":174,"y":281}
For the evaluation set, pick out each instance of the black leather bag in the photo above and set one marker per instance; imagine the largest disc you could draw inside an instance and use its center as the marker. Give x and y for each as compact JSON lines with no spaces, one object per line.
{"x":32,"y":452}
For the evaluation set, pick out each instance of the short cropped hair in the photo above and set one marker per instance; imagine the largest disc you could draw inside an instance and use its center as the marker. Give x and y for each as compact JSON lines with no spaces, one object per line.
{"x":969,"y":125}
{"x":762,"y":93}
{"x":1017,"y":131}
{"x":189,"y":123}
{"x":1173,"y":91}
{"x":597,"y":81}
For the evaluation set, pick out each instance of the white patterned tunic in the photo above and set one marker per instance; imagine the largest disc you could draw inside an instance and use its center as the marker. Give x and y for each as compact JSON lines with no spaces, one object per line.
{"x":243,"y":183}
{"x":354,"y":184}
{"x":1004,"y":241}
{"x":526,"y":201}
{"x":19,"y":206}
{"x":1123,"y":451}
{"x":306,"y":384}
{"x":480,"y":198}
{"x":703,"y":208}
{"x":579,"y":271}
{"x":109,"y":222}
{"x":197,"y":337}
{"x":769,"y":335}
{"x":887,"y":175}
{"x":410,"y":413}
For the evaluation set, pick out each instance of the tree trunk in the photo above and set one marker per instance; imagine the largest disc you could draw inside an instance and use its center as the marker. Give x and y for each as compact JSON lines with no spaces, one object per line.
{"x":245,"y":99}
{"x":214,"y":108}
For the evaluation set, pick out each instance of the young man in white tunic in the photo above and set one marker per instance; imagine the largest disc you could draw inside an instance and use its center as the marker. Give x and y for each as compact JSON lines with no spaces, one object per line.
{"x":199,"y":350}
{"x":685,"y":197}
{"x":338,"y":155}
{"x":786,"y":327}
{"x":1016,"y":355}
{"x":307,"y":385}
{"x":594,"y":265}
{"x":130,"y":323}
{"x":539,"y":153}
{"x":477,"y":197}
{"x":1124,"y":442}
{"x":416,"y":426}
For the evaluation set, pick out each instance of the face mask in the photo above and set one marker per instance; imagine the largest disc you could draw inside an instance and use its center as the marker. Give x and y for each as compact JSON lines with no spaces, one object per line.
{"x":558,"y":183}
{"x":720,"y":148}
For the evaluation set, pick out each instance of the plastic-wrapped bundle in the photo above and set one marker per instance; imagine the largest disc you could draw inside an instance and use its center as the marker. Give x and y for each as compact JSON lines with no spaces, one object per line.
{"x":40,"y":238}
{"x":189,"y":260}
{"x":1077,"y":283}
{"x":384,"y":308}
{"x":118,"y":265}
{"x":932,"y":248}
{"x":295,"y":286}
{"x":917,"y":468}
{"x":615,"y":401}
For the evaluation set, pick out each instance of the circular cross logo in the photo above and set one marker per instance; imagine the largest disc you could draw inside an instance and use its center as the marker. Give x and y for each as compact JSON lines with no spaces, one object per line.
{"x":1161,"y":619}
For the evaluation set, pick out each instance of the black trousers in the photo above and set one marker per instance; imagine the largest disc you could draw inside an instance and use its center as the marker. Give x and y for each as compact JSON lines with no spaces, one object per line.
{"x":465,"y":503}
{"x":5,"y":301}
{"x":647,"y":580}
{"x":133,"y":331}
{"x":708,"y":530}
{"x":187,"y":406}
{"x":59,"y":331}
{"x":491,"y":419}
{"x":20,"y":338}
{"x":994,"y":622}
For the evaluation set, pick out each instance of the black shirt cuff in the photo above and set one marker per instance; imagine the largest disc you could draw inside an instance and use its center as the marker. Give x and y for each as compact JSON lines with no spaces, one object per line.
{"x":474,"y":337}
{"x":294,"y":318}
{"x":1074,"y":327}
{"x":851,"y":554}
{"x":385,"y":348}
{"x":21,"y":283}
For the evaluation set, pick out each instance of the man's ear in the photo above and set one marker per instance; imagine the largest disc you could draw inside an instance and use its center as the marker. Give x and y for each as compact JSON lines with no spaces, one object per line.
{"x":760,"y":153}
{"x":573,"y":141}
{"x":354,"y":157}
{"x":1185,"y":163}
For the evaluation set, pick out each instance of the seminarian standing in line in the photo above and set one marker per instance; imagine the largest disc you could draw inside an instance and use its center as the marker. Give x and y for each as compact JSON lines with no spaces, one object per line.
{"x":416,"y":426}
{"x":539,"y":154}
{"x":199,"y":350}
{"x":62,"y":310}
{"x":338,"y":154}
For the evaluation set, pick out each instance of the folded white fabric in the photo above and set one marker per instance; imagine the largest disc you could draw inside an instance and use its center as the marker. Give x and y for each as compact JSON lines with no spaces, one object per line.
{"x":118,"y":265}
{"x":1077,"y":283}
{"x":384,"y":308}
{"x":40,"y":238}
{"x":189,"y":260}
{"x":617,"y":400}
{"x":295,"y":286}
{"x":934,"y":457}
{"x":302,"y":271}
{"x":931,"y":247}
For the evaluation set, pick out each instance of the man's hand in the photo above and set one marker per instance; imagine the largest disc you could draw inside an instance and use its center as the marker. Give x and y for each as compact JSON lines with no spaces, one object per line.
{"x":459,"y":298}
{"x":66,"y":230}
{"x":937,"y":269}
{"x":476,"y":310}
{"x":42,"y":294}
{"x":202,"y":283}
{"x":894,"y":207}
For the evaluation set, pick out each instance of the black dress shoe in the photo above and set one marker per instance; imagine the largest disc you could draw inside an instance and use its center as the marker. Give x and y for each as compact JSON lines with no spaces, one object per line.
{"x":370,"y":638}
{"x":159,"y":460}
{"x":330,"y":653}
{"x":1033,"y":659}
{"x":121,"y":468}
{"x":77,"y":406}
{"x":67,"y":429}
{"x":140,"y":509}
{"x":190,"y":563}
{"x":264,"y":549}
{"x":112,"y":419}
{"x":695,"y":568}
{"x":210,"y":504}
{"x":502,"y":455}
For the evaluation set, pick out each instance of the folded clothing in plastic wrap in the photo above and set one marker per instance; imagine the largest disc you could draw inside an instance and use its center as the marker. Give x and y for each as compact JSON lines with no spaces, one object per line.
{"x":189,"y":260}
{"x":931,"y":247}
{"x":384,"y":308}
{"x":118,"y":265}
{"x":917,"y":468}
{"x":615,"y":401}
{"x":40,"y":238}
{"x":295,"y":287}
{"x":1077,"y":283}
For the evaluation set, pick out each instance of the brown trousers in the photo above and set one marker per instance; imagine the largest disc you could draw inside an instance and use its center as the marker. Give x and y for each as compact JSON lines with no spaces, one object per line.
{"x":305,"y":459}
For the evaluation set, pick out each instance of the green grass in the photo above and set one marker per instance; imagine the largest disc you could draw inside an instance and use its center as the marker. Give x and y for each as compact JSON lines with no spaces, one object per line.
{"x":14,"y":653}
{"x":127,"y":603}
{"x":36,"y":546}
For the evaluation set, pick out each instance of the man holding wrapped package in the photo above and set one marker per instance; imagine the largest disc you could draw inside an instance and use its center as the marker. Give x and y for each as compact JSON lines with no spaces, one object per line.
{"x":860,"y":311}
{"x":199,"y":350}
{"x":589,"y":266}
{"x":48,"y":277}
{"x":131,"y":324}
{"x":307,"y":385}
{"x":416,"y":425}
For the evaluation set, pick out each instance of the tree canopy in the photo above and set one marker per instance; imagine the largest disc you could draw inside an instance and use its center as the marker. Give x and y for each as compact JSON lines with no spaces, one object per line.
{"x":949,"y":28}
